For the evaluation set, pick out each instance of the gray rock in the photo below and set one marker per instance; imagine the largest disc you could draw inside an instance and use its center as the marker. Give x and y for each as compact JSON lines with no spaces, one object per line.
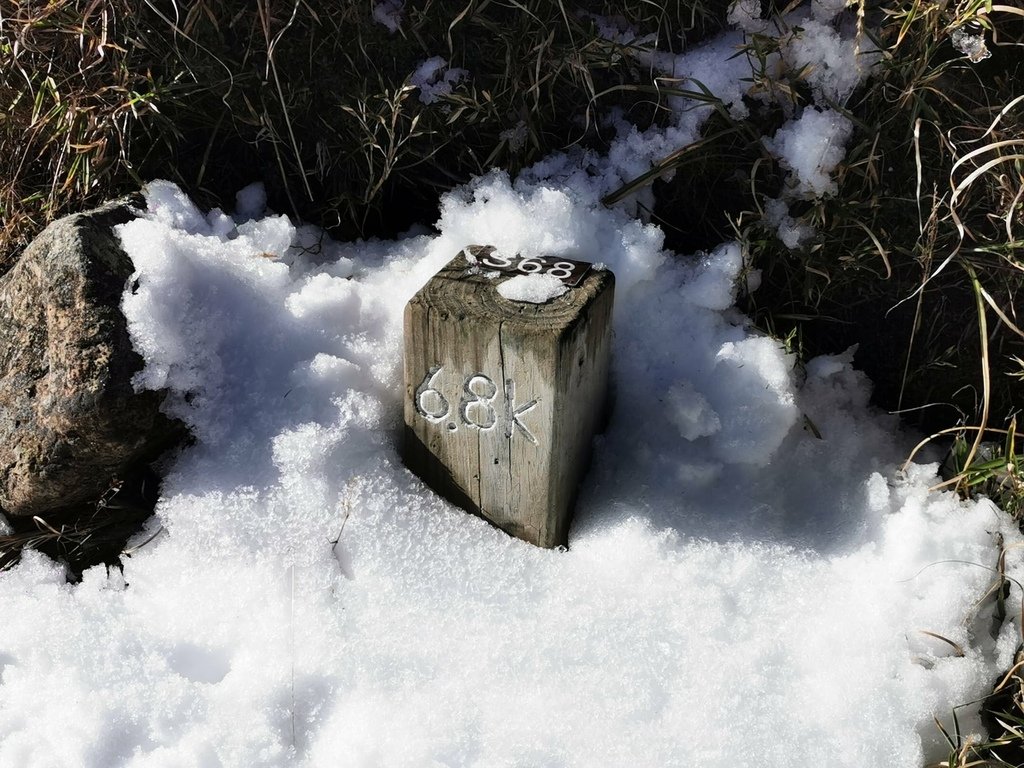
{"x":70,"y":420}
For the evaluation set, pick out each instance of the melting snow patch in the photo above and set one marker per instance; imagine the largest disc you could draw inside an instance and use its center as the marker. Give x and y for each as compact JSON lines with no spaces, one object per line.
{"x":746,"y":15}
{"x":834,"y":64}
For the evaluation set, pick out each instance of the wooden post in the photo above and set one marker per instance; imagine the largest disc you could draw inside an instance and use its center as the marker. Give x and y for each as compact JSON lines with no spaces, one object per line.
{"x":502,"y":398}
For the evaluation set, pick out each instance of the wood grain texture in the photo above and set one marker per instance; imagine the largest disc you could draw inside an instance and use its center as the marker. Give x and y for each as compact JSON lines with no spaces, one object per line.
{"x":503,"y":397}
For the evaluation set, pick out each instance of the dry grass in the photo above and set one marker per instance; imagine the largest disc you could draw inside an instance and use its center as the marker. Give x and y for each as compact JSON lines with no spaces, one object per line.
{"x":86,"y":535}
{"x":312,"y":97}
{"x":918,"y":255}
{"x":71,"y":101}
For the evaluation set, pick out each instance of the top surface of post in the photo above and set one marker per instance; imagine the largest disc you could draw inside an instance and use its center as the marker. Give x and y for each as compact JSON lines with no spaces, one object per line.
{"x":465,"y":288}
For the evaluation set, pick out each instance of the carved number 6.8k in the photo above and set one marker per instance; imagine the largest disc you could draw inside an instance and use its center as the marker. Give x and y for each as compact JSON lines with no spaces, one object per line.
{"x":476,"y":408}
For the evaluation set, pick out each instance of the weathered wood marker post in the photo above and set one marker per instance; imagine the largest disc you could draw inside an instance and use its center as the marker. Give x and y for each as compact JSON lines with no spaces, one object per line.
{"x":503,"y":397}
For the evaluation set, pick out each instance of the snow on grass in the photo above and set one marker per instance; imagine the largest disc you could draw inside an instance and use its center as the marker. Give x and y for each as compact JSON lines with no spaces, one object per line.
{"x":810,"y":148}
{"x":748,"y":579}
{"x":834,"y":63}
{"x":435,"y":79}
{"x":389,"y":13}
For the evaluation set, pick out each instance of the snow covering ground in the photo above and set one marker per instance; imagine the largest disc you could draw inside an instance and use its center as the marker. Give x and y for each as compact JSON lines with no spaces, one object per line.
{"x":749,"y":578}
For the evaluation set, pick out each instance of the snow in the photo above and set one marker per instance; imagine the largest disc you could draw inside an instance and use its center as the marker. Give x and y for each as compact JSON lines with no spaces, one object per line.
{"x":389,"y":13}
{"x":715,"y":279}
{"x":435,"y":79}
{"x":749,"y":578}
{"x":690,"y":411}
{"x":793,"y":234}
{"x":834,"y":64}
{"x":970,"y":45}
{"x":250,"y":202}
{"x":516,"y":136}
{"x":811,"y":147}
{"x":746,"y":15}
{"x":535,"y":289}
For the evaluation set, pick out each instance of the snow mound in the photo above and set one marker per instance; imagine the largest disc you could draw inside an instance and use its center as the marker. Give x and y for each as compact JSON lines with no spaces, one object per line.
{"x":307,"y":585}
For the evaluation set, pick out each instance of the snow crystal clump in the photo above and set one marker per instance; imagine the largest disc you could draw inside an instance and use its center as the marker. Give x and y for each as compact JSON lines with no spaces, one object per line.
{"x":833,"y":64}
{"x":793,"y":234}
{"x":754,"y":424}
{"x":690,"y":411}
{"x":714,"y":284}
{"x":811,"y":147}
{"x":746,"y":15}
{"x":971,"y":46}
{"x":388,"y":13}
{"x":515,"y":136}
{"x":534,"y":289}
{"x":434,"y":79}
{"x":250,"y":202}
{"x":190,"y":261}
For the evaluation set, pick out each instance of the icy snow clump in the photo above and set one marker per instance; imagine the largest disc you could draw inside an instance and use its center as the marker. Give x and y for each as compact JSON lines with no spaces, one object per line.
{"x":434,"y":79}
{"x":810,"y":148}
{"x":535,"y":289}
{"x":388,"y":13}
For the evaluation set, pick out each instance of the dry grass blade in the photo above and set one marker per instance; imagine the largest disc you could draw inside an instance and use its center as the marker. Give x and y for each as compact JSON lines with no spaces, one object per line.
{"x":947,"y":431}
{"x":957,"y":648}
{"x":1009,"y":676}
{"x":985,"y":370}
{"x":104,"y":94}
{"x":72,"y":99}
